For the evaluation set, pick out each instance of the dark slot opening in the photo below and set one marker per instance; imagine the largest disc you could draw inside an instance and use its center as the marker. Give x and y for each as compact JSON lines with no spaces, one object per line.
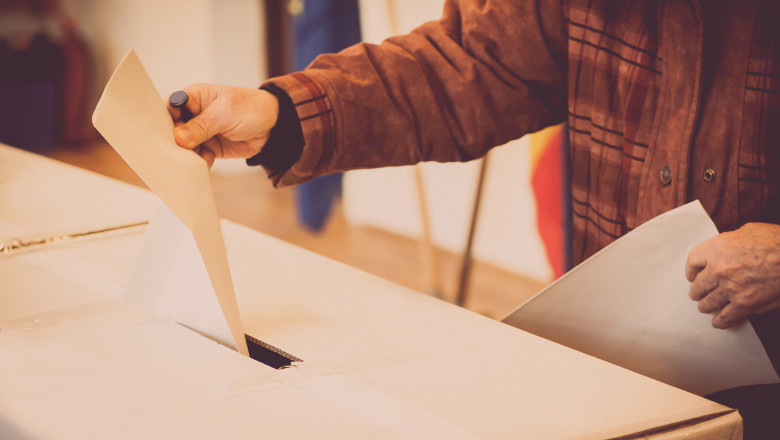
{"x":268,"y":354}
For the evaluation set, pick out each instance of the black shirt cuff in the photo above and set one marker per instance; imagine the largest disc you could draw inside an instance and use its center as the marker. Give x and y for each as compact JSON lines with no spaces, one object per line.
{"x":285,"y":144}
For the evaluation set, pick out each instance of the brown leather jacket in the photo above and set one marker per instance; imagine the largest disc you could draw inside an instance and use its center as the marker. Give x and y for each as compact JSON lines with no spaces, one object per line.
{"x":667,"y":101}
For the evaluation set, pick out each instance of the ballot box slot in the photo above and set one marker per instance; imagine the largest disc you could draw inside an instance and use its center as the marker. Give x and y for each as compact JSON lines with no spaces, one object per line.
{"x":268,"y":354}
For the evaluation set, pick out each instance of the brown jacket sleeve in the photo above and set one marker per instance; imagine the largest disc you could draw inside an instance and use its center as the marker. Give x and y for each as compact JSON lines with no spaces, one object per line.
{"x":486,"y":73}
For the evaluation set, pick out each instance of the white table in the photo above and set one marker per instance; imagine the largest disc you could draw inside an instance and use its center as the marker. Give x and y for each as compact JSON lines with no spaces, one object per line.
{"x":380,"y":360}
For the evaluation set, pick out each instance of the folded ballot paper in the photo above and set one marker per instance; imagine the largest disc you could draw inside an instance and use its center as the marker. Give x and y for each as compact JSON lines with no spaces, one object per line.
{"x":183,"y":274}
{"x":629,"y":306}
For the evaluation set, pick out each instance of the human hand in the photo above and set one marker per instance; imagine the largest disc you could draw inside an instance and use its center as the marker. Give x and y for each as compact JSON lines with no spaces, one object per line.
{"x":229,"y":122}
{"x":736,"y":274}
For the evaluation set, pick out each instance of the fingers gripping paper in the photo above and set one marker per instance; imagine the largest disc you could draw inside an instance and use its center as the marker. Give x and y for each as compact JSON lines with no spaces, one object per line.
{"x":629,"y":305}
{"x":131,"y":116}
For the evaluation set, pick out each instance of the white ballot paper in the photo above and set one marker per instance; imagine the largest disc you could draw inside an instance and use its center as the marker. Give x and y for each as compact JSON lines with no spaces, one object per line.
{"x":132,"y":117}
{"x":629,"y":306}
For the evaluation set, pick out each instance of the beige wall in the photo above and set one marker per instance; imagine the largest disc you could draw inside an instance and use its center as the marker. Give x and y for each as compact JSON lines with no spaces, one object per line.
{"x":179,"y":41}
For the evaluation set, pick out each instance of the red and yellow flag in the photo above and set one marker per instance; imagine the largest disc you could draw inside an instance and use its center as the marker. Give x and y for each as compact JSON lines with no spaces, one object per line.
{"x":551,"y":187}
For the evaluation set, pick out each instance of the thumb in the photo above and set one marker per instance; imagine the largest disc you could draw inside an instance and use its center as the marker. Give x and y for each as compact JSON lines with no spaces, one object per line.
{"x":697,"y":260}
{"x":196,"y":131}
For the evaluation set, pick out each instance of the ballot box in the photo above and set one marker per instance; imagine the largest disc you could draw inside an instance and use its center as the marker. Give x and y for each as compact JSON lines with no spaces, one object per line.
{"x":376,"y":360}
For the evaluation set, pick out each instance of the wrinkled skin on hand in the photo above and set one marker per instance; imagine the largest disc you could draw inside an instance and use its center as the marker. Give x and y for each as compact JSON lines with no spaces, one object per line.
{"x":228,"y":122}
{"x":736,"y":274}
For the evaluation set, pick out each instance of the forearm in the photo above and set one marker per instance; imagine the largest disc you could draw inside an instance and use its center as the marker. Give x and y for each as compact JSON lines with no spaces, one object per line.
{"x":449,"y":91}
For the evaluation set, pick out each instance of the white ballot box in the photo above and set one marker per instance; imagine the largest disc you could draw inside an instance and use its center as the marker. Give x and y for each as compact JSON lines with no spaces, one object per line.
{"x":376,"y":360}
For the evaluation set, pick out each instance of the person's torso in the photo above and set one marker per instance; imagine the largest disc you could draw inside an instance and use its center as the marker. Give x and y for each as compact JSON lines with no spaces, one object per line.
{"x":672,"y":101}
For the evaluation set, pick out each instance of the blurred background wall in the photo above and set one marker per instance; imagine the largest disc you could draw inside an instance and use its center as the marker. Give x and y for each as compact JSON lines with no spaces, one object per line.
{"x":179,"y":41}
{"x":506,"y":228}
{"x":227,"y":41}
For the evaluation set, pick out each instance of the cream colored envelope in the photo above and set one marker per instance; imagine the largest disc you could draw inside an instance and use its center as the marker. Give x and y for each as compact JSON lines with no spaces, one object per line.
{"x":132,"y":117}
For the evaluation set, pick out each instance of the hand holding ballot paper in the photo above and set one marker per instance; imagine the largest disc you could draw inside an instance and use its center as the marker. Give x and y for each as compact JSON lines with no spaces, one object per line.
{"x":231,"y":122}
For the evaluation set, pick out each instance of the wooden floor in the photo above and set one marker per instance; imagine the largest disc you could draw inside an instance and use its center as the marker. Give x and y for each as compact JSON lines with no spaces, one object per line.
{"x":246,"y":197}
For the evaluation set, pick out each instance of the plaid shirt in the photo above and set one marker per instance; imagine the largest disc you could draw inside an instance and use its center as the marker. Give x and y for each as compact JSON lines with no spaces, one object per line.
{"x":667,"y":101}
